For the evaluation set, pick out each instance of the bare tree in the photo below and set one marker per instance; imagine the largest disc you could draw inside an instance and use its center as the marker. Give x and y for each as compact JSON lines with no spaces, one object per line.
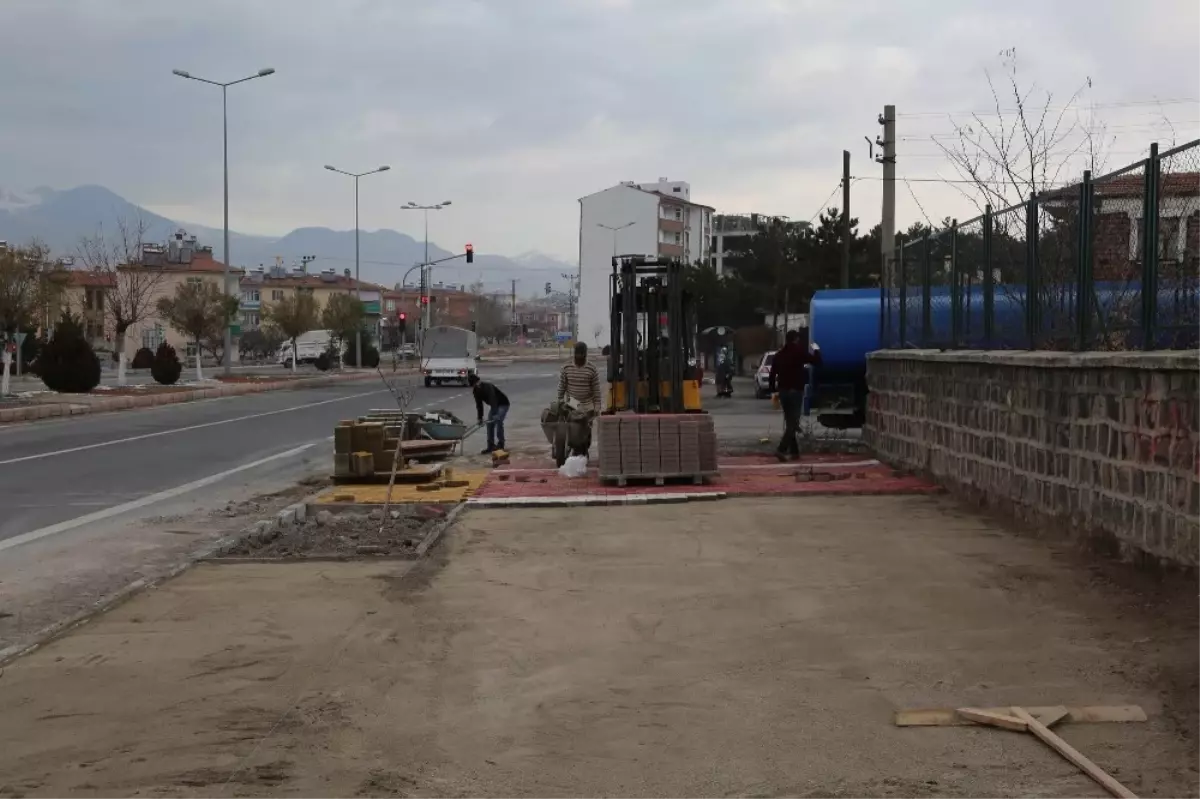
{"x":292,"y":317}
{"x":132,"y":288}
{"x":196,"y":310}
{"x":1025,"y":148}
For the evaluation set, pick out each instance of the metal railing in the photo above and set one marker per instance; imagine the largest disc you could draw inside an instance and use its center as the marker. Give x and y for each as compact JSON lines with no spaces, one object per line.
{"x":1111,"y":263}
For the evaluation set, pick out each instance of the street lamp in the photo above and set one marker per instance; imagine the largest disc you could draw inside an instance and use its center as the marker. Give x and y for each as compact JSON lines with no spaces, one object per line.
{"x":615,"y":230}
{"x":262,"y":73}
{"x":357,"y":282}
{"x":411,"y":206}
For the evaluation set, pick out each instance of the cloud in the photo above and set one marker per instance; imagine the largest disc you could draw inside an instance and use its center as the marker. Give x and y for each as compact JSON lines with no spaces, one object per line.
{"x":515,"y":109}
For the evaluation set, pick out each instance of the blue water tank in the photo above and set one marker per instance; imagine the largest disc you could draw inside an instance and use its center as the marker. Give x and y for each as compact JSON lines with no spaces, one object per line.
{"x":845,"y":323}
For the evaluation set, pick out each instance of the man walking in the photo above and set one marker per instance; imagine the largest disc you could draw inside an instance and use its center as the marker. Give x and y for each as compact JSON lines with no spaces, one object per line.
{"x":580,"y":381}
{"x":497,"y":402}
{"x":788,"y":377}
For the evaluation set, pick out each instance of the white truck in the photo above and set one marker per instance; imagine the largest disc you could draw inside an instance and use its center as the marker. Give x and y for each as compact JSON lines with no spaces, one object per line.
{"x":309,"y":347}
{"x":449,"y":355}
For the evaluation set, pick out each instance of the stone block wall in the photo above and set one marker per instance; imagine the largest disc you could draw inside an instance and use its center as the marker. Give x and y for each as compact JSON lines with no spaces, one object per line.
{"x":1103,"y":444}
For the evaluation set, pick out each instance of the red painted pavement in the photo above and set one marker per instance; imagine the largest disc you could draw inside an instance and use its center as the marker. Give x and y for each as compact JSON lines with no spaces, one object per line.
{"x":751,"y":475}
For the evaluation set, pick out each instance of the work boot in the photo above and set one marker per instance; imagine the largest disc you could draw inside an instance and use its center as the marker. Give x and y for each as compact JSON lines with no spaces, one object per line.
{"x":488,"y":450}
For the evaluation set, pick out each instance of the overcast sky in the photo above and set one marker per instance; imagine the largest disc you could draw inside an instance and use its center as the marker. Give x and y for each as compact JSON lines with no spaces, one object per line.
{"x":513,"y":109}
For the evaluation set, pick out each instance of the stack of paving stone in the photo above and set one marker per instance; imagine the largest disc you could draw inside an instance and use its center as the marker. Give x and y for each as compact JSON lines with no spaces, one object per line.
{"x":656,"y":446}
{"x":358,"y":446}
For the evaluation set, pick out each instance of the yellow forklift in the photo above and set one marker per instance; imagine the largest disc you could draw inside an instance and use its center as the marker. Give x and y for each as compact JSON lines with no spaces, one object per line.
{"x":652,"y":365}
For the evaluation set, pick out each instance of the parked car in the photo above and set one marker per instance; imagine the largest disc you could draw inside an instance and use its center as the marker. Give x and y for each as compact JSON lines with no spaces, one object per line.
{"x":762,"y":377}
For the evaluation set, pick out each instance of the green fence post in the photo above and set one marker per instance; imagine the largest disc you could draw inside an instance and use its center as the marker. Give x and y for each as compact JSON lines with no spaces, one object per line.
{"x":956,"y":293}
{"x":1033,"y":294}
{"x":1083,"y":269}
{"x":989,"y":280}
{"x":926,"y":280}
{"x":902,"y":311}
{"x":1150,"y":251}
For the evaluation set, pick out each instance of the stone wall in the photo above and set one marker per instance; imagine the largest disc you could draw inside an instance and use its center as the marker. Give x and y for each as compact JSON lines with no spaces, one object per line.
{"x":1102,"y":444}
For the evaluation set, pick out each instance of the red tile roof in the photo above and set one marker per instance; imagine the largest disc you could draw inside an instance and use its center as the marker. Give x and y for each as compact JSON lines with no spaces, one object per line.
{"x":1173,"y":184}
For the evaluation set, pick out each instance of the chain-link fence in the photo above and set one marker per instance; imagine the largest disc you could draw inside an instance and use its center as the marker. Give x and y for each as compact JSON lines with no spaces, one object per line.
{"x":1068,"y":269}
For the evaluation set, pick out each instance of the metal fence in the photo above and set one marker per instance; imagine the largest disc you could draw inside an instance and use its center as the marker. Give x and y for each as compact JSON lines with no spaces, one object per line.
{"x":1112,"y":263}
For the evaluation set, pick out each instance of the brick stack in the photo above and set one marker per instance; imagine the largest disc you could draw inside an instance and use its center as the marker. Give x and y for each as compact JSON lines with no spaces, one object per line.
{"x":656,"y":445}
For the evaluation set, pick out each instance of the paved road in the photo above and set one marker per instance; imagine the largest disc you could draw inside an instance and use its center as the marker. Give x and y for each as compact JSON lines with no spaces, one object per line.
{"x":69,"y":474}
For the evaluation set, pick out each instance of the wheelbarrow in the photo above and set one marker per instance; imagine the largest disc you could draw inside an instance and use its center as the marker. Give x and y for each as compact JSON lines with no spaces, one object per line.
{"x":566,"y":431}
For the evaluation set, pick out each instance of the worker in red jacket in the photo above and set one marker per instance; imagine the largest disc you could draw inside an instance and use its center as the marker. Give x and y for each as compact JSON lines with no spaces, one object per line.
{"x":788,"y":377}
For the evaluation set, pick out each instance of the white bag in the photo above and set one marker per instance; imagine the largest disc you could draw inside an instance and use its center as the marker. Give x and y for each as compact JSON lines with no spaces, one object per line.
{"x":575,"y":466}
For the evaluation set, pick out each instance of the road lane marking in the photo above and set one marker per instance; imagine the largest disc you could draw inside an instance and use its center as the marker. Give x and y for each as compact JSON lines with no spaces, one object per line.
{"x":149,"y":499}
{"x":143,"y":436}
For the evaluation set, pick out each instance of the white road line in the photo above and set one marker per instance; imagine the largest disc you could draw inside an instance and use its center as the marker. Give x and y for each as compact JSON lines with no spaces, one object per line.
{"x":150,"y":499}
{"x":116,"y":441}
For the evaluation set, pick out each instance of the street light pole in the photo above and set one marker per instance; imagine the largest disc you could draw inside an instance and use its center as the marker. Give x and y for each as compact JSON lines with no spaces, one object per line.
{"x":357,"y":280}
{"x":615,"y":230}
{"x":426,"y":278}
{"x":262,"y":73}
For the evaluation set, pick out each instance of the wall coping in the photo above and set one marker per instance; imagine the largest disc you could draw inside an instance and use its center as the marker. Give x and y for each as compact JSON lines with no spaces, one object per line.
{"x":1155,"y":360}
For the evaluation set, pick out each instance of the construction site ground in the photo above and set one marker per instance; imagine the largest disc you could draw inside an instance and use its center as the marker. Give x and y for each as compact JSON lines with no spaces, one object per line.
{"x":742,"y":647}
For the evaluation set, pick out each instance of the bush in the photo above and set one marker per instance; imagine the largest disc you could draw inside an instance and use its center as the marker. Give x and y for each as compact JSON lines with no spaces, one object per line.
{"x":323,"y":362}
{"x":165,"y":368}
{"x":142,"y":359}
{"x":67,"y":363}
{"x":370,"y":354}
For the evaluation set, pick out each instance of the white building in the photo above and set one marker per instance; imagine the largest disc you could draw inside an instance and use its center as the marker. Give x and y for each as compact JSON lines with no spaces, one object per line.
{"x":633,"y":219}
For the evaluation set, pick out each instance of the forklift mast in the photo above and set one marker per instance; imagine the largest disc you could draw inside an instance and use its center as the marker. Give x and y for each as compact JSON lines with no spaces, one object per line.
{"x":650,"y":328}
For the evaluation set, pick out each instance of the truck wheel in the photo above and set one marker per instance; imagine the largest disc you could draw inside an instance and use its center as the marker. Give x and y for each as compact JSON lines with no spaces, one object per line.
{"x":428,"y":382}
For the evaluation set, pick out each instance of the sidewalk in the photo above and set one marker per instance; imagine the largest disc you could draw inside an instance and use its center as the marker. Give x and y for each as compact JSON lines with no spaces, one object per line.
{"x":745,"y":647}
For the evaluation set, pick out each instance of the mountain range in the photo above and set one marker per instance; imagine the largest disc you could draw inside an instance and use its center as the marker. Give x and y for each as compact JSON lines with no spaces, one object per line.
{"x":60,"y":218}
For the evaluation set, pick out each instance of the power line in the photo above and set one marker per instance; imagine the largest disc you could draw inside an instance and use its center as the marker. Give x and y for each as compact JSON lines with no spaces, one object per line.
{"x":994,"y":112}
{"x":913,"y":194}
{"x":825,"y":203}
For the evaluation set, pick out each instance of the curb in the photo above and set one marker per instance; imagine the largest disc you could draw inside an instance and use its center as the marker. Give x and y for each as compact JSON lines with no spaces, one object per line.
{"x":266,"y":529}
{"x":107,"y":404}
{"x":581,"y":500}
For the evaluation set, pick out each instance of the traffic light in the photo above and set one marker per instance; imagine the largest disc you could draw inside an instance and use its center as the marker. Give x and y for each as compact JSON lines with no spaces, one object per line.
{"x":472,"y":326}
{"x":470,"y":254}
{"x":402,"y":321}
{"x":424,"y":300}
{"x":524,"y":330}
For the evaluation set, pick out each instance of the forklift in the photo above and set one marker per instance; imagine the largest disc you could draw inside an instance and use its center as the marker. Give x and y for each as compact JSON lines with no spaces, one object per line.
{"x":652,"y":365}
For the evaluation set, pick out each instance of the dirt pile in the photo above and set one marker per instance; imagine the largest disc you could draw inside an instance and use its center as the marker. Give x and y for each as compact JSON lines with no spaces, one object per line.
{"x":345,"y":535}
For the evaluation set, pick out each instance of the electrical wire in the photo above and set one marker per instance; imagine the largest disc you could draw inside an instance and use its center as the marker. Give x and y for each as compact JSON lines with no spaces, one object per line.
{"x":994,"y":112}
{"x":913,"y":194}
{"x":825,"y":203}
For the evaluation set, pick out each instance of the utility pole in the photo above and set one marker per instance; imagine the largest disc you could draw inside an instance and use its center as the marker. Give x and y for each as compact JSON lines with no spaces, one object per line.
{"x":513,"y":321}
{"x":845,"y":219}
{"x":888,"y":223}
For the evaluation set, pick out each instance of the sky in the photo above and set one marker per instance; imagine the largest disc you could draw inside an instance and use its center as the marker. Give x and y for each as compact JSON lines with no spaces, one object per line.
{"x":514,"y":109}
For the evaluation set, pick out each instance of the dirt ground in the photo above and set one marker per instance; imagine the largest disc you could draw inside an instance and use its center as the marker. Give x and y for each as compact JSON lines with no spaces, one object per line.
{"x":735,"y":648}
{"x":346,"y":534}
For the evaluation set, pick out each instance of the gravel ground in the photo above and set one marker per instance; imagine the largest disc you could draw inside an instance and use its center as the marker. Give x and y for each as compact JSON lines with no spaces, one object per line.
{"x":348,"y":534}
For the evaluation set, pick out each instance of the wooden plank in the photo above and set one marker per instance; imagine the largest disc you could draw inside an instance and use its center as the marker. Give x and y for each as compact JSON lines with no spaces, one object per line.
{"x":1050,"y":719}
{"x":1092,"y":714}
{"x":1073,"y":755}
{"x":993,"y":719}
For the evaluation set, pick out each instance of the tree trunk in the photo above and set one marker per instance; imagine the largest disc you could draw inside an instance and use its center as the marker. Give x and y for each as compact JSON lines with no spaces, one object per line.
{"x":294,"y":354}
{"x":5,"y":363}
{"x":199,"y":355}
{"x":120,"y":358}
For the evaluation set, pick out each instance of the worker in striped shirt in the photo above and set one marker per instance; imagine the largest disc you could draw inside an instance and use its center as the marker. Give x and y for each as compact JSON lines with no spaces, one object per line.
{"x":580,"y":381}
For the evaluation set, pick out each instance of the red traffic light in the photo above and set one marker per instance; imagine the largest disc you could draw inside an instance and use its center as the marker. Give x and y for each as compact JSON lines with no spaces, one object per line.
{"x":424,"y":300}
{"x":402,"y":316}
{"x":470,"y":253}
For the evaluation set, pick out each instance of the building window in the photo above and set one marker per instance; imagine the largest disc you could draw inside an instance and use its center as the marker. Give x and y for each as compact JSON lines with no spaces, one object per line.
{"x":93,"y":330}
{"x":191,"y":349}
{"x":276,"y":295}
{"x":153,"y":337}
{"x":250,"y":295}
{"x":678,"y":239}
{"x":678,"y":214}
{"x":250,"y":320}
{"x":195,"y":280}
{"x":93,"y":299}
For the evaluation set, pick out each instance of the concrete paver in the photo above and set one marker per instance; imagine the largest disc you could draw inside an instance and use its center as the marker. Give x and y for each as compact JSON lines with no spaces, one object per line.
{"x":744,"y":647}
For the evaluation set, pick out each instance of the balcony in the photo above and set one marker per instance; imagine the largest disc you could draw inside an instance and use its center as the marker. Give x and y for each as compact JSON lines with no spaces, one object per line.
{"x":670,"y":225}
{"x":670,"y":250}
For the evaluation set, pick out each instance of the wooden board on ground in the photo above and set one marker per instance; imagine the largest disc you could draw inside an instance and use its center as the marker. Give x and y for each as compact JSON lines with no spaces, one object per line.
{"x":1073,"y":755}
{"x":697,"y":478}
{"x":1093,"y":714}
{"x":414,"y":473}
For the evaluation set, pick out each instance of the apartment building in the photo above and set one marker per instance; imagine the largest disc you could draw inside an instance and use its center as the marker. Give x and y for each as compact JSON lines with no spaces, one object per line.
{"x":657,"y":218}
{"x":260,"y":287}
{"x":729,"y":229}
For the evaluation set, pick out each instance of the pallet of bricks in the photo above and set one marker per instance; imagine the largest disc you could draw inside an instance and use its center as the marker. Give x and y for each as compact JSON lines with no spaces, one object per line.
{"x":364,"y":449}
{"x":656,"y":447}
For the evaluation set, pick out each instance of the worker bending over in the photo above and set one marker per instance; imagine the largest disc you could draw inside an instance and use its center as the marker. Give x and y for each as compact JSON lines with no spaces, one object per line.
{"x":497,"y":402}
